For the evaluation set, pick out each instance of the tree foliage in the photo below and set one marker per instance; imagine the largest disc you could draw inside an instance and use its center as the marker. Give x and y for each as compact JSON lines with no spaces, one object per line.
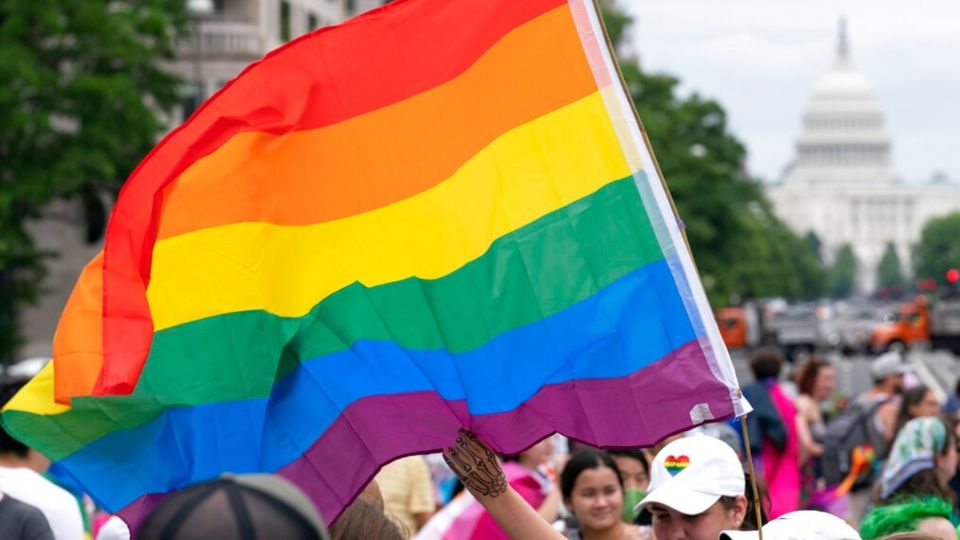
{"x":80,"y":93}
{"x":889,"y":270}
{"x":741,"y":248}
{"x":939,"y":248}
{"x":814,"y":244}
{"x":843,"y":273}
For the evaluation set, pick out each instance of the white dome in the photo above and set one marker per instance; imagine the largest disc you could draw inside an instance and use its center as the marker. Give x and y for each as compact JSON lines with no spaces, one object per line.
{"x":843,"y":140}
{"x":843,"y":83}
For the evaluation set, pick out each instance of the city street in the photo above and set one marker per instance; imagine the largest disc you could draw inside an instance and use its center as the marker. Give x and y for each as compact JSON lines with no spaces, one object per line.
{"x":937,"y":369}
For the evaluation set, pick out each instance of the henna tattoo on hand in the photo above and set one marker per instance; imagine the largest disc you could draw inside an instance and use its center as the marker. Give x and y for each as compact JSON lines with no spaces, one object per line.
{"x":476,"y":465}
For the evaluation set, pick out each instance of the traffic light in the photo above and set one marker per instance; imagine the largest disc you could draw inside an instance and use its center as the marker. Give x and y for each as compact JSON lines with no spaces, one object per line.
{"x":953,"y":275}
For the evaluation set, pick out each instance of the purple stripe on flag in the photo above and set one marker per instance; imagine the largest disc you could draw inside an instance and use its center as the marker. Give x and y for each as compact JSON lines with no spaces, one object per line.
{"x":632,"y":411}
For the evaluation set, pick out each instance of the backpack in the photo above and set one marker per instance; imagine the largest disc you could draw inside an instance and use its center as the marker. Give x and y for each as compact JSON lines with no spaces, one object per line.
{"x":852,"y":445}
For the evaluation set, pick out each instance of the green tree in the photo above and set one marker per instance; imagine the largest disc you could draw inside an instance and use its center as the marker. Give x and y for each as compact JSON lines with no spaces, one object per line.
{"x":889,"y":270}
{"x":80,"y":93}
{"x":938,"y":250}
{"x":741,"y":248}
{"x":843,"y":273}
{"x":814,"y":243}
{"x":615,"y":21}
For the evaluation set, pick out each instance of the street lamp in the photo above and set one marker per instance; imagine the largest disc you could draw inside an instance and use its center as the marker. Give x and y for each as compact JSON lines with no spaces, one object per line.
{"x":197,"y":11}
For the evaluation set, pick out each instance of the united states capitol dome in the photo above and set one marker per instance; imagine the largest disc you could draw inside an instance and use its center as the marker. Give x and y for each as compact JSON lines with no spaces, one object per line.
{"x":843,"y":82}
{"x":843,"y":87}
{"x":843,"y":139}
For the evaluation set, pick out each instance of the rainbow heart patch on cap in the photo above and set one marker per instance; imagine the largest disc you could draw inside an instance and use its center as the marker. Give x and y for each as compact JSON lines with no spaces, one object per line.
{"x":675,"y":464}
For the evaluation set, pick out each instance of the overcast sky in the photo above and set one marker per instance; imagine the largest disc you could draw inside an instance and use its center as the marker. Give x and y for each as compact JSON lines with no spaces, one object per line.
{"x":761,"y":58}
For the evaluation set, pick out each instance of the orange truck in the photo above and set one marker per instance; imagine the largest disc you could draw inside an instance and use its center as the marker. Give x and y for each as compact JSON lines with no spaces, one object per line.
{"x":741,"y":327}
{"x":733,"y":326}
{"x":906,"y":324}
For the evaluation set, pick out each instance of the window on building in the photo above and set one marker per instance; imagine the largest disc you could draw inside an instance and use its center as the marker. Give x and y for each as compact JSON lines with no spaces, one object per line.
{"x":351,"y":6}
{"x":313,"y":21}
{"x":188,"y":104}
{"x":285,"y":33}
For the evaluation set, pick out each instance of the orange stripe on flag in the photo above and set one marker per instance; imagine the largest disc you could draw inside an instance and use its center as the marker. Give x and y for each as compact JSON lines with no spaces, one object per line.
{"x":78,"y":343}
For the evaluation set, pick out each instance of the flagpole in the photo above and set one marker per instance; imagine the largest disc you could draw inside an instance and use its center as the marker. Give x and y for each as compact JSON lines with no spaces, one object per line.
{"x":683,"y":232}
{"x":753,"y":474}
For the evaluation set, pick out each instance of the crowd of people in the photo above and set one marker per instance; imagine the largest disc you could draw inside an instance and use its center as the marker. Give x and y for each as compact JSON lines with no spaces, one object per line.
{"x":882,"y":464}
{"x":876,"y":465}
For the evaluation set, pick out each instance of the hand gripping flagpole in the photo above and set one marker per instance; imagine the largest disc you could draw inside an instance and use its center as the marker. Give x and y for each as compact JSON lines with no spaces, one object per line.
{"x":656,"y":164}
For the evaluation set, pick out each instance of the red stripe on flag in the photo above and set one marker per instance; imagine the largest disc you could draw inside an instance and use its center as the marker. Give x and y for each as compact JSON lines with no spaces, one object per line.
{"x":376,"y":59}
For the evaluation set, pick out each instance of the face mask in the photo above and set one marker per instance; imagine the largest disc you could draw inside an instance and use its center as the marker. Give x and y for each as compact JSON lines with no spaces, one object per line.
{"x":631,"y":498}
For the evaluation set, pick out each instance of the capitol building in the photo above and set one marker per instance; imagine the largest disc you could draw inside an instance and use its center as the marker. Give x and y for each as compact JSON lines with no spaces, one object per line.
{"x":841,"y":183}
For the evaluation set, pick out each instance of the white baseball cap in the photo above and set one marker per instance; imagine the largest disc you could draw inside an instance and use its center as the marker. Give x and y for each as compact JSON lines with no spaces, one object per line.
{"x":801,"y":525}
{"x":691,"y":474}
{"x":887,"y":364}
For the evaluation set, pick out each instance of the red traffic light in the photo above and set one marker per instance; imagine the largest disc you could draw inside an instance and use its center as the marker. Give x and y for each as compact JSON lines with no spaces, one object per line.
{"x":953,"y":275}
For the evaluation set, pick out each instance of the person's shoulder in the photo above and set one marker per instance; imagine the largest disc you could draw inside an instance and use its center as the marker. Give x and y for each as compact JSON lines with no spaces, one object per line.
{"x":805,"y":403}
{"x":53,"y":495}
{"x":12,"y":506}
{"x":26,"y":517}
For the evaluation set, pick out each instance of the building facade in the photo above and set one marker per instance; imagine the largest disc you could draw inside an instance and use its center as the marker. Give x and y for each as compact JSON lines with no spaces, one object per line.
{"x":225,"y":40}
{"x":238,"y":32}
{"x":842,"y":184}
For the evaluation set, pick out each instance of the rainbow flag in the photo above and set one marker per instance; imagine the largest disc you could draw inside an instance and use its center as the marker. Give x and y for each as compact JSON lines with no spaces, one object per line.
{"x":438,"y":214}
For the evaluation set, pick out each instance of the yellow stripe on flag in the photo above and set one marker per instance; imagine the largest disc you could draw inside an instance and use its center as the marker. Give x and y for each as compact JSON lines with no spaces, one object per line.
{"x":524,"y":174}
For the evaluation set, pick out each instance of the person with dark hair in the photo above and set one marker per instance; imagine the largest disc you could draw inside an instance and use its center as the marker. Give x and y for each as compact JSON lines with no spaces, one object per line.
{"x":773,"y":431}
{"x":816,"y":382}
{"x":916,"y":402}
{"x":21,"y":478}
{"x":698,"y":489}
{"x":635,"y":472}
{"x":927,"y":516}
{"x":766,"y":363}
{"x":764,"y":424}
{"x":922,"y":460}
{"x":592,"y":487}
{"x":252,"y":506}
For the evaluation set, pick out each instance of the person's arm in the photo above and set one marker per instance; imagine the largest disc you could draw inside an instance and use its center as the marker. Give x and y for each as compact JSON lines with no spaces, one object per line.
{"x":479,"y":469}
{"x":808,"y":446}
{"x":550,"y":508}
{"x":887,"y":416}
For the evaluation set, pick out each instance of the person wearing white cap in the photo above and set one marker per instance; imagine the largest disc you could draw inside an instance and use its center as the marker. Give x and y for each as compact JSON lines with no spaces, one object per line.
{"x":887,"y":372}
{"x":697,"y":489}
{"x":800,"y":525}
